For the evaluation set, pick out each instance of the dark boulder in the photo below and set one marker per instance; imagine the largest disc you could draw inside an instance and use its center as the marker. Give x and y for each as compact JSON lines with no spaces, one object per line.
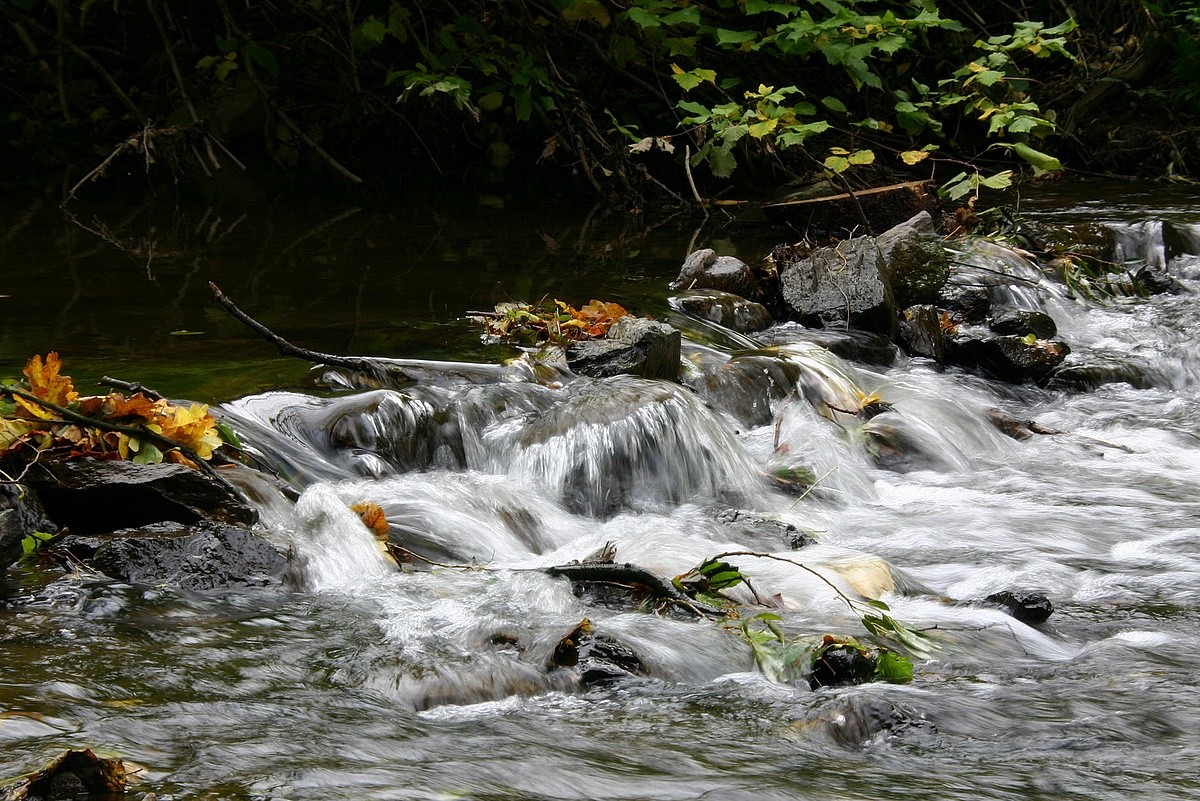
{"x":745,"y":386}
{"x":634,"y":346}
{"x":839,"y":664}
{"x":967,"y":300}
{"x":598,"y":659}
{"x":915,"y":263}
{"x":200,"y":557}
{"x":1089,"y":376}
{"x":723,"y":308}
{"x":91,"y":496}
{"x":1021,"y":322}
{"x":921,"y":332}
{"x":769,"y":531}
{"x":21,"y":514}
{"x":842,"y":286}
{"x":1027,"y":607}
{"x":1007,"y":358}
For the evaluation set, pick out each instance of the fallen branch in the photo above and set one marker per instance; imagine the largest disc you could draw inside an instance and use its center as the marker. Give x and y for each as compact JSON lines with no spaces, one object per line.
{"x":285,"y":348}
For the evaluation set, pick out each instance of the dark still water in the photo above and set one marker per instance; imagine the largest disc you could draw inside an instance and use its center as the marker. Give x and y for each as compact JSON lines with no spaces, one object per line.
{"x":357,"y":681}
{"x":120,"y":285}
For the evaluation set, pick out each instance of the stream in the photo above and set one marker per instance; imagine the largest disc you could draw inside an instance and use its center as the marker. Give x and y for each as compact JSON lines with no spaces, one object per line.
{"x":361,"y":681}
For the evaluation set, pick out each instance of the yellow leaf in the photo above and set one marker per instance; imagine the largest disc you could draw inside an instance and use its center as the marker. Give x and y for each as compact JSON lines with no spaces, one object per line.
{"x":911,"y":157}
{"x":373,"y":517}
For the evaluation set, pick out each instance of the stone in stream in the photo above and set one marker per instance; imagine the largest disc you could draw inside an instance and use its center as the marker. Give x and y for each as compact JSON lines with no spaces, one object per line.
{"x":842,"y":286}
{"x":839,"y":664}
{"x":915,"y":263}
{"x":724,"y":308}
{"x":852,"y":344}
{"x":598,"y":659}
{"x":634,"y":346}
{"x":921,"y":332}
{"x":202,"y":557}
{"x":704,"y":269}
{"x":1027,"y":607}
{"x":21,"y":514}
{"x":1088,"y":376}
{"x":1007,"y":358}
{"x":92,"y":496}
{"x":1021,"y":322}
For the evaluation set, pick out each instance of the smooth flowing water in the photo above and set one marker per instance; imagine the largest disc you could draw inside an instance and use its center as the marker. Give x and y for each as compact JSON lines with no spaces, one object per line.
{"x":362,"y":681}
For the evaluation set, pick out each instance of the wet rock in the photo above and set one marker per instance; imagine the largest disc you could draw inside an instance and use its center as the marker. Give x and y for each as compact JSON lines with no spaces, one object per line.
{"x":1090,"y":241}
{"x":704,"y":269}
{"x":1027,"y":607}
{"x":600,"y":660}
{"x":745,"y":386}
{"x":723,"y":308}
{"x":203,"y":557}
{"x":851,"y":344}
{"x":1147,"y":281}
{"x":634,"y":346}
{"x":73,"y":775}
{"x":921,"y":332}
{"x":21,"y":514}
{"x":749,"y":526}
{"x":89,"y":496}
{"x":841,"y":664}
{"x":1007,"y":358}
{"x":1021,"y":322}
{"x":969,"y":302}
{"x":1015,"y":427}
{"x":915,"y":263}
{"x":1087,"y":377}
{"x":843,"y":285}
{"x":372,"y":426}
{"x":852,"y":720}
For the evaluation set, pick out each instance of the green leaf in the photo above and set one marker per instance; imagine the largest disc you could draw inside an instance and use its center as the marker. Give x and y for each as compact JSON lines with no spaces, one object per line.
{"x":148,"y":453}
{"x":34,"y":541}
{"x":833,"y":104}
{"x":721,"y":162}
{"x":861,"y":157}
{"x":837,"y":164}
{"x":1039,"y":160}
{"x":226,"y":432}
{"x":643,"y":18}
{"x":1001,"y":180}
{"x":726,"y":37}
{"x":892,"y":667}
{"x":689,"y":15}
{"x":262,"y":57}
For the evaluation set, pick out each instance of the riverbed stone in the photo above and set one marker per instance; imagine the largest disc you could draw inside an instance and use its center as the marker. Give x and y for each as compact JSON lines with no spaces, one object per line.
{"x":969,"y":302}
{"x":704,"y":269}
{"x":915,"y":263}
{"x":1091,"y":241}
{"x":852,"y":344}
{"x":843,"y":285}
{"x":1021,"y":322}
{"x":21,"y":514}
{"x":634,"y":346}
{"x":1007,"y":358}
{"x":921,"y":332}
{"x":724,"y":308}
{"x":1028,"y":607}
{"x":1089,"y":375}
{"x":90,"y":496}
{"x":200,"y":557}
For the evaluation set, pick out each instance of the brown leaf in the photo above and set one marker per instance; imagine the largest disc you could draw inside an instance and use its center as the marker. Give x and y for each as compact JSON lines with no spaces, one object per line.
{"x":373,"y":517}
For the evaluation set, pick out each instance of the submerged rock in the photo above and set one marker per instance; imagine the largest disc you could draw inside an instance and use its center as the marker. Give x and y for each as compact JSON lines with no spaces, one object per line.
{"x":840,"y":664}
{"x":201,"y":557}
{"x":90,"y":496}
{"x":634,"y":346}
{"x":852,"y":344}
{"x":1086,"y":377}
{"x":599,"y":660}
{"x":724,"y":308}
{"x":852,"y":720}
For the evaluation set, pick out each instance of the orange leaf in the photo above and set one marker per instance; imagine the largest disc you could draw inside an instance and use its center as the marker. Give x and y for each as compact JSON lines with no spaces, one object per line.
{"x":46,"y":383}
{"x":373,"y":518}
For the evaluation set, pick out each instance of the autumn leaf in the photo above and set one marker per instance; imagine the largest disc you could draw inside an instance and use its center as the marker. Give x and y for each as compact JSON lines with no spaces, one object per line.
{"x":373,"y":517}
{"x":46,"y":383}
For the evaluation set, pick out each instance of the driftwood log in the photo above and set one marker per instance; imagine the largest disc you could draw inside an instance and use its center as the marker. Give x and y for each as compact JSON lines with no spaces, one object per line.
{"x":870,"y":211}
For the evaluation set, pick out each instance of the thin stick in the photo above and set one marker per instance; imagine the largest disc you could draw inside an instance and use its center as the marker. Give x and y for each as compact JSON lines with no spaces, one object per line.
{"x":287,"y":348}
{"x":687,"y":168}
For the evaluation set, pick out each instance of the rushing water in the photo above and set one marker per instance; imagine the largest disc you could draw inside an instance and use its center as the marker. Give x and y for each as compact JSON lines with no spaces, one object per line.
{"x":361,"y":681}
